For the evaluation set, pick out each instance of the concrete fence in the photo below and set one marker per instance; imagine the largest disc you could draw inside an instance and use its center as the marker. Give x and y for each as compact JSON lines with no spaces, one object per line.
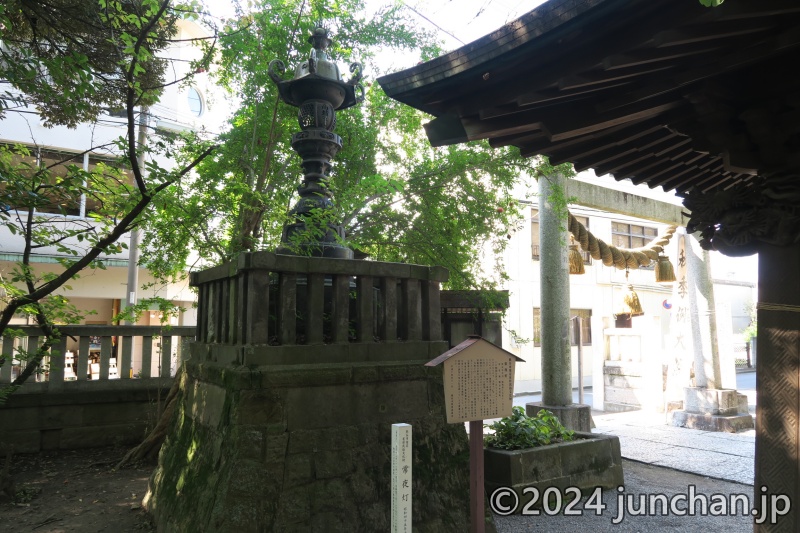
{"x":97,"y":353}
{"x":89,"y":393}
{"x":83,"y":414}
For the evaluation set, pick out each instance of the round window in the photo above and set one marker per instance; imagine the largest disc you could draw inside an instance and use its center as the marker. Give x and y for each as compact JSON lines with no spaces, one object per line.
{"x":195,"y":102}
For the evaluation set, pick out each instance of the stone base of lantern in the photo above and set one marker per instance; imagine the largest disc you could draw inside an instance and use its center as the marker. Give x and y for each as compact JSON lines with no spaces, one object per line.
{"x":307,"y":448}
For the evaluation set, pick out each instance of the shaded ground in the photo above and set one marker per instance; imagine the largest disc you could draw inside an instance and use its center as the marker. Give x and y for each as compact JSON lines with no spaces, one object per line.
{"x":79,"y":491}
{"x":76,"y":491}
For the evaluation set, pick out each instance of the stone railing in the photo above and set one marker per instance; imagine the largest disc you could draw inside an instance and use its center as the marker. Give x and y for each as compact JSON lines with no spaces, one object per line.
{"x":277,"y":309}
{"x":99,"y":353}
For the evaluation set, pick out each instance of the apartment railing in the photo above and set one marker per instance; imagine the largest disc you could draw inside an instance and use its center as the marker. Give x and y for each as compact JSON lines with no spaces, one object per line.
{"x":98,"y":353}
{"x":271,"y":301}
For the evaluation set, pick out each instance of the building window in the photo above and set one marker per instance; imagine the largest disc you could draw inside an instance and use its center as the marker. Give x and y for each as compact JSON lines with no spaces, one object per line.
{"x":631,"y":235}
{"x":49,"y":167}
{"x":59,"y":200}
{"x":625,"y":235}
{"x":535,"y":236}
{"x":195,"y":102}
{"x":586,"y":327}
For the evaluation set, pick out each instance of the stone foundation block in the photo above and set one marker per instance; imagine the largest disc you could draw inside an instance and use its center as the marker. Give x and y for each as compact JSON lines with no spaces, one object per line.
{"x":720,"y":402}
{"x":729,"y":424}
{"x":294,"y":457}
{"x":577,"y":417}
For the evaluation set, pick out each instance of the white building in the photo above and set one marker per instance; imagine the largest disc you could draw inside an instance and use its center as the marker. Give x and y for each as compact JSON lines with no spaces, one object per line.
{"x":596,"y":296}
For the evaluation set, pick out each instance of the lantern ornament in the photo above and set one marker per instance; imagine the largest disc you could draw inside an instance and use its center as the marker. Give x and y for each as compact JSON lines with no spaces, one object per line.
{"x":318,"y":91}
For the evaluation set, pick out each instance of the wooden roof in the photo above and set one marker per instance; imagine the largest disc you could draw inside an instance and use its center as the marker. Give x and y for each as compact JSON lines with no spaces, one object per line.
{"x":664,"y":92}
{"x":467,"y":343}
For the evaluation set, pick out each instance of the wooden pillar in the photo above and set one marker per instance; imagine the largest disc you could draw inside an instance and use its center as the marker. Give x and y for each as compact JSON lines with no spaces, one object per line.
{"x":777,"y":455}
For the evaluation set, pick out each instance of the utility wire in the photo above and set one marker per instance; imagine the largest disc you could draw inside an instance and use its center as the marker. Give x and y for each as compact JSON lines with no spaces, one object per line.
{"x":432,"y":22}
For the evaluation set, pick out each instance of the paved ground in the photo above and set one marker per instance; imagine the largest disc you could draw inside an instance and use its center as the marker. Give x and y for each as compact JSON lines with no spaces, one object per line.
{"x":640,"y":480}
{"x":647,"y":439}
{"x":662,"y":459}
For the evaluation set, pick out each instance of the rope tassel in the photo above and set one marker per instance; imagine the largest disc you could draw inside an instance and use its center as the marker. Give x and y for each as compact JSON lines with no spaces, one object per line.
{"x":575,"y":260}
{"x":631,"y":301}
{"x":665,"y":273}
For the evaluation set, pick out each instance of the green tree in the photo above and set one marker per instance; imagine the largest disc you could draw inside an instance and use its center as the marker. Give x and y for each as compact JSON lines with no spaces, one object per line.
{"x":399,"y":199}
{"x":70,"y":61}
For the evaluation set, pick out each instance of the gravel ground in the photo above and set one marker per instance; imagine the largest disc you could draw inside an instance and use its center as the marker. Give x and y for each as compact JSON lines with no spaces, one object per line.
{"x":642,"y":479}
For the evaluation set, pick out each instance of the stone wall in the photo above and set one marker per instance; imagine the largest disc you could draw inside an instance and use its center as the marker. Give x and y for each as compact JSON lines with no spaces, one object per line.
{"x":81,"y":414}
{"x":307,"y":448}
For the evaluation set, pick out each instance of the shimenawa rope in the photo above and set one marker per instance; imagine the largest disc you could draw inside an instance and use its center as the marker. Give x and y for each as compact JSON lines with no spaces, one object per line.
{"x":621,"y":258}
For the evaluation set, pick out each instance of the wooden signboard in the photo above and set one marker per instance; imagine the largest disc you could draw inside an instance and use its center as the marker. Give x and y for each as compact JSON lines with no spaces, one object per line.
{"x":478,"y":384}
{"x":478,"y":380}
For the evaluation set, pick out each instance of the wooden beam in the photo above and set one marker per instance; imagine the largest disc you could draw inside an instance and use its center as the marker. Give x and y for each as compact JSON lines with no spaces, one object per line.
{"x":616,"y":153}
{"x":737,"y":58}
{"x":618,"y":134}
{"x":749,"y":10}
{"x":583,"y":120}
{"x":600,"y":77}
{"x":634,"y":168}
{"x":508,"y":125}
{"x":656,"y":55}
{"x":698,"y":33}
{"x":518,"y":140}
{"x":699,"y":175}
{"x":607,"y":146}
{"x":625,"y":166}
{"x":552,"y":96}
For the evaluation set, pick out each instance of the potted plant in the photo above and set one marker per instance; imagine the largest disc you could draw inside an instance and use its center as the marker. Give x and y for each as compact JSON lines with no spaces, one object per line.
{"x":539,"y":452}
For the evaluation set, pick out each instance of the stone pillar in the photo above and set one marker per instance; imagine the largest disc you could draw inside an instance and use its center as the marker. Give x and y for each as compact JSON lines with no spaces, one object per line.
{"x":706,"y":405}
{"x":553,"y":237}
{"x":778,"y":383}
{"x":707,"y":372}
{"x":555,"y":322}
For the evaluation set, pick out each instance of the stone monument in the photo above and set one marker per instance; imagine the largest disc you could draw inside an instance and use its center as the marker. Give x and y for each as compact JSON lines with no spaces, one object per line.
{"x":707,"y":405}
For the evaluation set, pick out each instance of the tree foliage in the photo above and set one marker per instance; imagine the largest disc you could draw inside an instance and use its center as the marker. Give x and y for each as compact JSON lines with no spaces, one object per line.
{"x":70,"y":58}
{"x":398,"y":198}
{"x":69,"y":61}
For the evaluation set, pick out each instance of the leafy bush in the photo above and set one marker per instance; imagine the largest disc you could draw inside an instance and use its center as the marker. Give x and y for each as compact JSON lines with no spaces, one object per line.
{"x":520,"y":431}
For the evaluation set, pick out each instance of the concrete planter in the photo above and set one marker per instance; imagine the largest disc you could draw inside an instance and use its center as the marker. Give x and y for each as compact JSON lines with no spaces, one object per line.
{"x":592,"y":460}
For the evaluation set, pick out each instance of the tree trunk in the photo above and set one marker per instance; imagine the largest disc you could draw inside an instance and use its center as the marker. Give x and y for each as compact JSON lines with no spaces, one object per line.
{"x":148,"y":449}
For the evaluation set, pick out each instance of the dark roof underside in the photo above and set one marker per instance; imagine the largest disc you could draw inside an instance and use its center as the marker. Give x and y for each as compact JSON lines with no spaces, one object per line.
{"x":664,"y":92}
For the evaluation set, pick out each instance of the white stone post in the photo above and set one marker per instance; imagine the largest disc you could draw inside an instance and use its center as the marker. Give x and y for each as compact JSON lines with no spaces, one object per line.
{"x":401,"y":478}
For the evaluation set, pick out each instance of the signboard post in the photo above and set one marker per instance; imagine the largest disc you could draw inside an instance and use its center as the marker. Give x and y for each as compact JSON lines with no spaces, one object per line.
{"x":401,"y":478}
{"x":478,"y":385}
